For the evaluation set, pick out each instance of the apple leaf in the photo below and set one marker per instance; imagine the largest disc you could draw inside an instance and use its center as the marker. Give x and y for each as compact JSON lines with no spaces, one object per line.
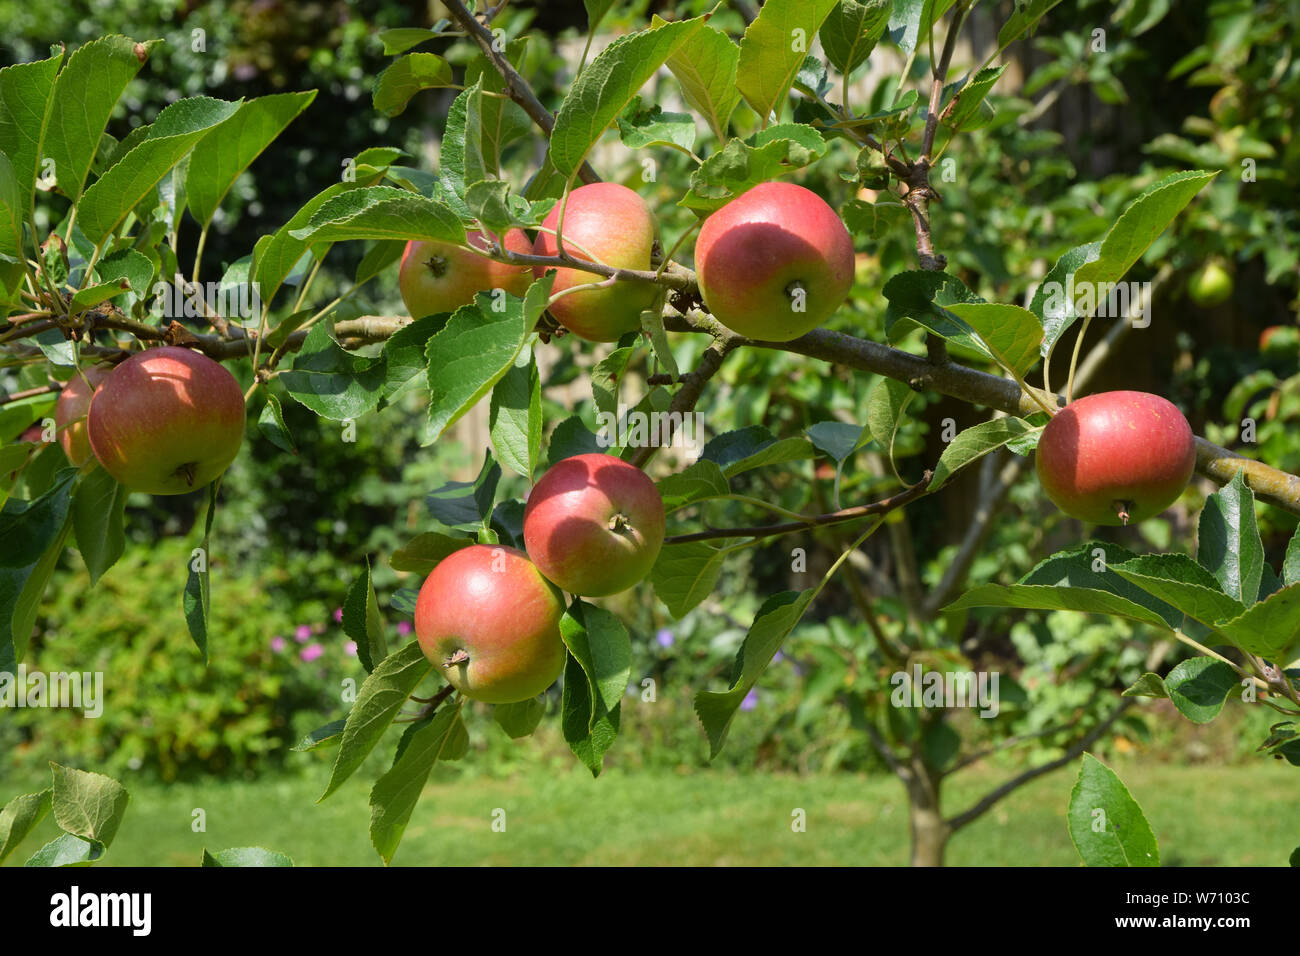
{"x":1023,"y":19}
{"x":34,"y":533}
{"x":88,"y":805}
{"x":705,"y":67}
{"x":225,"y":152}
{"x":245,"y":856}
{"x":26,"y":91}
{"x":923,"y":297}
{"x":643,"y":128}
{"x":595,"y":678}
{"x":67,"y":850}
{"x":571,"y":437}
{"x":1091,"y":566}
{"x":699,"y":481}
{"x":772,"y":625}
{"x":13,"y":207}
{"x":515,"y":416}
{"x":607,"y":84}
{"x":1056,"y":598}
{"x":773,"y":50}
{"x":97,"y":508}
{"x":885,"y":406}
{"x":1148,"y":685}
{"x":271,"y":424}
{"x":381,"y":696}
{"x":475,"y":350}
{"x":519,"y":719}
{"x":465,"y":504}
{"x":395,"y":794}
{"x":460,"y":160}
{"x":404,"y":361}
{"x":20,"y":817}
{"x":1179,"y":581}
{"x":685,"y":574}
{"x":196,"y":598}
{"x":407,"y":76}
{"x":1106,"y":823}
{"x":275,"y":257}
{"x":969,"y":96}
{"x":425,"y":551}
{"x":974,"y":443}
{"x":874,"y":220}
{"x":1012,"y":334}
{"x":912,"y":20}
{"x":361,"y":620}
{"x":326,"y":735}
{"x":1228,"y":541}
{"x":381,"y":212}
{"x":852,"y":30}
{"x":1269,"y":628}
{"x":502,"y":121}
{"x":377,"y":259}
{"x":1199,"y":686}
{"x":742,"y":165}
{"x":332,"y":382}
{"x":605,"y":378}
{"x":125,"y":185}
{"x":132,"y":266}
{"x":1053,"y":301}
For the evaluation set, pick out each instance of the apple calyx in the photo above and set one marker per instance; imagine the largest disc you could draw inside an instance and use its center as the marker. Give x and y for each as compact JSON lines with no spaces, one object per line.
{"x":1124,"y":509}
{"x":460,"y":657}
{"x":620,"y":524}
{"x":187,"y":471}
{"x":437,"y":265}
{"x":794,"y":290}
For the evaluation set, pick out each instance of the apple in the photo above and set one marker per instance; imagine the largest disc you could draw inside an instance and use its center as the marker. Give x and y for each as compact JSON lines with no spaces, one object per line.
{"x":1210,"y":286}
{"x":70,"y":412}
{"x":1116,"y":457}
{"x":594,"y":524}
{"x":166,"y":421}
{"x":611,"y":224}
{"x":491,"y":623}
{"x":774,"y":263}
{"x":437,"y":276}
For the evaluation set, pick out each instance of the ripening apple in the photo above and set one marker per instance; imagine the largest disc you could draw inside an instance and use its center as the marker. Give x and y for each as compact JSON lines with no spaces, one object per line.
{"x":437,"y":276}
{"x":1116,"y":457}
{"x":166,"y":421}
{"x":489,"y":621}
{"x":607,"y":223}
{"x":1210,"y":286}
{"x":594,"y":524}
{"x":774,"y":263}
{"x":70,"y":412}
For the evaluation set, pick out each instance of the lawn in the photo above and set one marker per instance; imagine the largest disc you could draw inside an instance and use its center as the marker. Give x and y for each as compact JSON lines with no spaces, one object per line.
{"x":1246,"y":815}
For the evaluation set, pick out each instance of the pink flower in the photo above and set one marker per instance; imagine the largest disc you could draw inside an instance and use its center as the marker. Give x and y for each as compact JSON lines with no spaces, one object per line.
{"x":311,"y":652}
{"x":403,"y":627}
{"x":303,"y":633}
{"x":338,"y":615}
{"x":350,"y":648}
{"x":277,"y":644}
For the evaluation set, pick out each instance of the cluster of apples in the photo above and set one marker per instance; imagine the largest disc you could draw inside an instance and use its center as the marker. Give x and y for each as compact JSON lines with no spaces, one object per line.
{"x":772,"y":264}
{"x":166,"y":421}
{"x":489,"y":615}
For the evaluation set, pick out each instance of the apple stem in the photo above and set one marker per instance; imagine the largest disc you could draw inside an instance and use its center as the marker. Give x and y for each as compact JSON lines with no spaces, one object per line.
{"x":1123,"y":509}
{"x":620,"y":523}
{"x":460,"y":657}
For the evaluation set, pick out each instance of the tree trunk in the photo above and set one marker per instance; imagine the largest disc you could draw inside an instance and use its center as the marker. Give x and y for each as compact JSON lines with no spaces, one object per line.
{"x":925,"y":814}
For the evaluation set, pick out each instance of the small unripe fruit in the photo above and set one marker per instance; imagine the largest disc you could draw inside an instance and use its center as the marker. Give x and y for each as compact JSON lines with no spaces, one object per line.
{"x":166,"y":421}
{"x":1116,"y":457}
{"x":774,"y":263}
{"x":438,"y":276}
{"x":71,"y":410}
{"x":594,"y":524}
{"x":615,"y":226}
{"x":1210,"y":286}
{"x":490,"y":623}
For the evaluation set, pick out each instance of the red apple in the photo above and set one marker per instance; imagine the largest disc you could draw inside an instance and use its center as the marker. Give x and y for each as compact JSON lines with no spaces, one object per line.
{"x":774,"y":263}
{"x":1116,"y":457}
{"x":166,"y":421}
{"x":438,"y":276}
{"x":613,"y":225}
{"x":491,"y":623}
{"x":594,"y":524}
{"x":70,"y":412}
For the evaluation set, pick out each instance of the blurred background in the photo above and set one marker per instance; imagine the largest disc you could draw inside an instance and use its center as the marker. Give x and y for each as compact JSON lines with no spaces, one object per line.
{"x":1077,"y":133}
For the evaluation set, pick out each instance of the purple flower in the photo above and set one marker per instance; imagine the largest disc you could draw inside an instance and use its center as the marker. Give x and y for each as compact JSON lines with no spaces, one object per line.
{"x":403,"y":627}
{"x":750,"y":701}
{"x":350,"y":648}
{"x":311,"y":652}
{"x":303,"y":633}
{"x":777,"y":657}
{"x":338,"y":615}
{"x":277,"y":644}
{"x":664,"y":637}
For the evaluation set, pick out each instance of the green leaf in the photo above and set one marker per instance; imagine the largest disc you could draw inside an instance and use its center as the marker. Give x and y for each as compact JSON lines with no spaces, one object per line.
{"x":652,"y":324}
{"x":381,"y":212}
{"x":423,"y":553}
{"x":85,"y":93}
{"x":271,"y":424}
{"x":705,"y":67}
{"x":20,"y":817}
{"x":875,"y":220}
{"x":1057,"y":598}
{"x":460,"y":159}
{"x":1024,"y":19}
{"x":773,"y":49}
{"x":571,"y":437}
{"x":97,"y":508}
{"x":970,"y":96}
{"x":595,"y":678}
{"x":465,"y":504}
{"x":275,"y":256}
{"x":852,"y":30}
{"x":67,"y":850}
{"x":974,"y":443}
{"x":643,"y":128}
{"x":1011,"y":333}
{"x":245,"y":856}
{"x":378,"y":701}
{"x":395,"y":794}
{"x":924,"y":298}
{"x":13,"y":208}
{"x":109,"y":200}
{"x":476,"y":349}
{"x":1106,"y":823}
{"x":1198,"y":687}
{"x":404,"y":361}
{"x":33,"y":533}
{"x":26,"y":95}
{"x":1092,"y":565}
{"x":885,"y":407}
{"x":607,"y":84}
{"x":132,"y":266}
{"x":605,"y":378}
{"x":748,"y":448}
{"x":1291,"y":563}
{"x":88,"y":805}
{"x":1270,"y":628}
{"x":1053,"y":300}
{"x":741,"y":165}
{"x":702,"y":479}
{"x":519,"y":719}
{"x":362,"y":623}
{"x":1179,"y":581}
{"x":327,"y":735}
{"x":196,"y":598}
{"x":685,"y":574}
{"x":515,"y":416}
{"x":1228,"y":541}
{"x":596,"y":10}
{"x":332,"y":382}
{"x":407,"y":76}
{"x":1148,"y":685}
{"x":401,"y":39}
{"x":772,"y":625}
{"x":230,"y":148}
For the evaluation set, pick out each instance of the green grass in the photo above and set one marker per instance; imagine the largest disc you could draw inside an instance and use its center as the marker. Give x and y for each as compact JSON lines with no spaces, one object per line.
{"x":1208,"y":816}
